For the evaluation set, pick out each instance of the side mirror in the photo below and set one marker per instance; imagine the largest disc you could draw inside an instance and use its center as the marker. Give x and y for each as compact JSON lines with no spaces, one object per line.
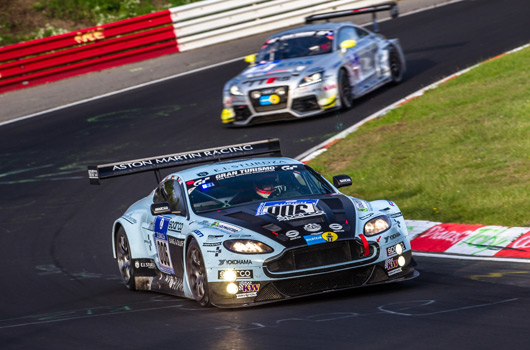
{"x":160,"y":209}
{"x":342,"y":181}
{"x":347,"y":44}
{"x":250,"y":59}
{"x":163,"y":208}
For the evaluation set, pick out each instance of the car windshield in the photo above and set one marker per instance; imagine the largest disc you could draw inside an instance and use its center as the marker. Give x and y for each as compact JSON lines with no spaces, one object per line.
{"x":244,"y":186}
{"x":296,"y":45}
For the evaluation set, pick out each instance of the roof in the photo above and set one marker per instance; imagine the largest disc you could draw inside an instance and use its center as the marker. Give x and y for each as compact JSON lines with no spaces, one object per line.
{"x":313,"y":27}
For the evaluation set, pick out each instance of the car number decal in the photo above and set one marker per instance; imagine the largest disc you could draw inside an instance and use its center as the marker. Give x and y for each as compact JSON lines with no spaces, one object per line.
{"x":291,"y":209}
{"x":162,"y":245}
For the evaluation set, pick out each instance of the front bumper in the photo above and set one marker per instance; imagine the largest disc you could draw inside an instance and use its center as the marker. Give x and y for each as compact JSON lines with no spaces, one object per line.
{"x":264,"y":105}
{"x":259,"y":292}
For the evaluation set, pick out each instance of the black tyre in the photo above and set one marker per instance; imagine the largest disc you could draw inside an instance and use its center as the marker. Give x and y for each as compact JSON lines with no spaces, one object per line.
{"x":124,"y":258}
{"x":196,"y":273}
{"x":396,"y":66}
{"x":345,"y":90}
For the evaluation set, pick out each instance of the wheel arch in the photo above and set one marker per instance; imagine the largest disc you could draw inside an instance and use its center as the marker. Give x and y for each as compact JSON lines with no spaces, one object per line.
{"x":394,"y":44}
{"x":134,"y":236}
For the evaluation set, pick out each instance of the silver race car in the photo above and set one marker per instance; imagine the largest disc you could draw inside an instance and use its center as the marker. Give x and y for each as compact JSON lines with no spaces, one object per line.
{"x":246,"y":230}
{"x":312,"y":69}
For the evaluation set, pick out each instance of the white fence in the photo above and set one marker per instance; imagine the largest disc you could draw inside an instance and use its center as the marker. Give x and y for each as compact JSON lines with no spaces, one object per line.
{"x":213,"y":21}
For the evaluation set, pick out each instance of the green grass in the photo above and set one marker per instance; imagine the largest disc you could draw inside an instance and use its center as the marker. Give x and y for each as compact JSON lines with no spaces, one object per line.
{"x":27,"y":21}
{"x":459,"y":153}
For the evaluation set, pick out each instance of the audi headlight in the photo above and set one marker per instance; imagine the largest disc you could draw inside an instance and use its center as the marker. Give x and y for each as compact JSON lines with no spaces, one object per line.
{"x":234,"y":90}
{"x":376,"y":225}
{"x":247,"y":246}
{"x":311,"y":79}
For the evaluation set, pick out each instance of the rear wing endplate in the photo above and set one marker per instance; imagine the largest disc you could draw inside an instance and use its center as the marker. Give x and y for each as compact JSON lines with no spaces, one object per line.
{"x":264,"y":147}
{"x":386,"y":6}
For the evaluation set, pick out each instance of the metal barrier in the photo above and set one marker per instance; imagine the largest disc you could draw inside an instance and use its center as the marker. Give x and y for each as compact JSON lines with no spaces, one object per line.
{"x":178,"y":29}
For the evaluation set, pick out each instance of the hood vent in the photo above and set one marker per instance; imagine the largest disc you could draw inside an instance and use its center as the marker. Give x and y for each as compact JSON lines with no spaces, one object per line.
{"x":334,"y":203}
{"x":309,"y":220}
{"x":272,"y":227}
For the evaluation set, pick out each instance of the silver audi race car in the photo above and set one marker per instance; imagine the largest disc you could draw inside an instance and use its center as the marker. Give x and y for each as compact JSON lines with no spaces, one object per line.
{"x":250,"y":226}
{"x":312,"y":69}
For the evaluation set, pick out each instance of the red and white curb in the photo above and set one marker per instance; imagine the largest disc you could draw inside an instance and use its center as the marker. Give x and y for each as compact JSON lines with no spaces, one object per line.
{"x":321,"y":148}
{"x":456,"y":241}
{"x":480,"y":242}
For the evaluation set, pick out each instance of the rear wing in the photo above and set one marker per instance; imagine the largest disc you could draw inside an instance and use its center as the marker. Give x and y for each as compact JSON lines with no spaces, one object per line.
{"x":99,"y":172}
{"x":387,"y":6}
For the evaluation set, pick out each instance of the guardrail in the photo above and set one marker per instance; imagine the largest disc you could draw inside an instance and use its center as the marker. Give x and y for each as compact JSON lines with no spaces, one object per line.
{"x":178,"y":29}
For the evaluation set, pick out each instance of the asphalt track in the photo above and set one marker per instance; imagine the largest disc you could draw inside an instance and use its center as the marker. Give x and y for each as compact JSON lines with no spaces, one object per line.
{"x":60,"y":286}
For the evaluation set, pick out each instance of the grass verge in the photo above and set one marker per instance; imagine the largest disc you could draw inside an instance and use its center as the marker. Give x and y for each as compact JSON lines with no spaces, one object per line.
{"x":459,"y":153}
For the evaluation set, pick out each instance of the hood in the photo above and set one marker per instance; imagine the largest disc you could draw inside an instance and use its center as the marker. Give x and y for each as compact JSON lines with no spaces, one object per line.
{"x":284,"y":67}
{"x":298,"y":222}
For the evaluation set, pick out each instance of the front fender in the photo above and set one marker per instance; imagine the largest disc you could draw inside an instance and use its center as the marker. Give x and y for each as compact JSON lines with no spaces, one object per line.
{"x":134,"y":235}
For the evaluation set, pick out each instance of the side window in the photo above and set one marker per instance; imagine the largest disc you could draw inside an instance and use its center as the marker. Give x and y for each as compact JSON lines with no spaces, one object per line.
{"x":361,"y":33}
{"x":346,"y":33}
{"x":170,"y":191}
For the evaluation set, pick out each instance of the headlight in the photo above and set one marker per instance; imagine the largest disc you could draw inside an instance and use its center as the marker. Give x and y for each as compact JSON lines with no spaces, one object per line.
{"x":247,"y":246}
{"x":376,"y":225}
{"x":234,"y":90}
{"x":311,"y":79}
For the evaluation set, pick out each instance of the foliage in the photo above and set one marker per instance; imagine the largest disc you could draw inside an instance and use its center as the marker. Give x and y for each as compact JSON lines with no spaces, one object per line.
{"x":460,"y":153}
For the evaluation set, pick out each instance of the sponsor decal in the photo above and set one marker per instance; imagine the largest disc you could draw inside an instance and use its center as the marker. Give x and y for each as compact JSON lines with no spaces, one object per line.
{"x":160,"y":209}
{"x":269,"y":100}
{"x":241,"y":274}
{"x":392,"y":237}
{"x":198,"y":233}
{"x":329,"y":87}
{"x":162,"y":245}
{"x":204,"y":173}
{"x":391,"y":251}
{"x":211,"y":244}
{"x":264,"y":81}
{"x":289,"y":167}
{"x":246,"y":287}
{"x":235,"y":262}
{"x":246,"y":295}
{"x":313,"y":227}
{"x":393,"y":272}
{"x":93,"y":174}
{"x":145,"y":264}
{"x":291,"y":209}
{"x":442,"y":237}
{"x":217,"y":251}
{"x":487,"y":241}
{"x":366,"y":216}
{"x":336,"y":227}
{"x":314,"y":239}
{"x":175,"y":226}
{"x":175,"y":241}
{"x":292,"y":234}
{"x":182,"y":157}
{"x":391,"y":203}
{"x":249,"y":164}
{"x":396,"y":215}
{"x":391,"y":264}
{"x":225,"y":227}
{"x":361,"y":205}
{"x":518,"y":248}
{"x":240,"y":172}
{"x":330,"y":236}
